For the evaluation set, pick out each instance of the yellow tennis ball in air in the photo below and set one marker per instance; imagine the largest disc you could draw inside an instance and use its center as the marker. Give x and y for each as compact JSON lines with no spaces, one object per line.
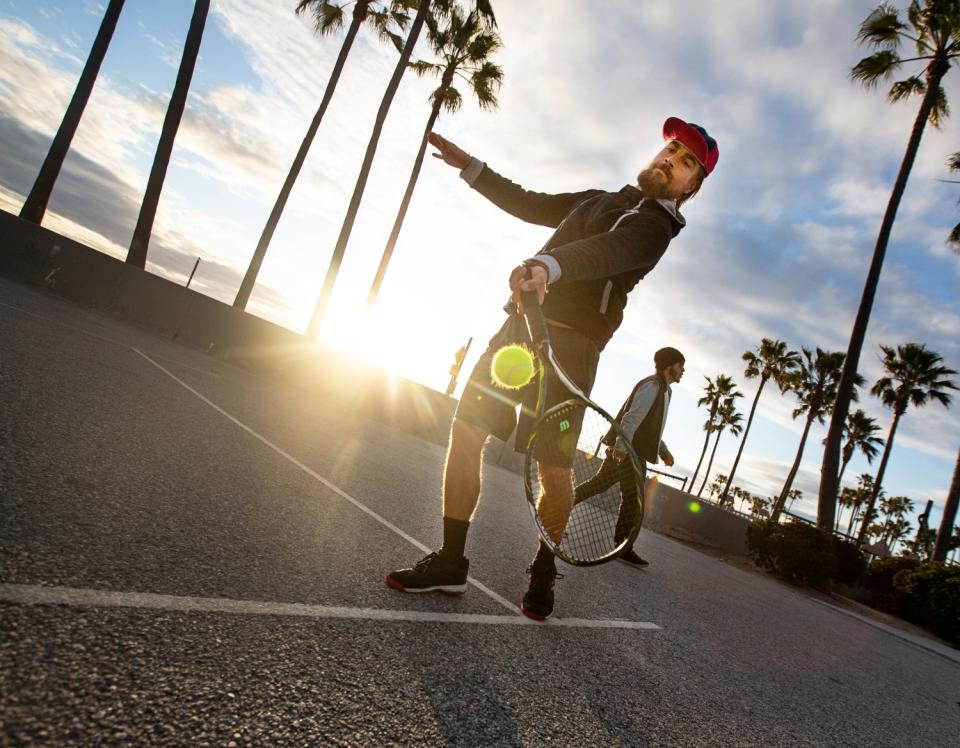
{"x":512,"y":367}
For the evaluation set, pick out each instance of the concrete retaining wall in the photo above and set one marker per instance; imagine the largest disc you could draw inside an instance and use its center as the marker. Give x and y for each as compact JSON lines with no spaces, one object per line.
{"x":684,"y":516}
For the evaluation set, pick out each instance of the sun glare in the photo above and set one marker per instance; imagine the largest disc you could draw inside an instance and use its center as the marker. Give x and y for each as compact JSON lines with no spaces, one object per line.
{"x":385,"y":341}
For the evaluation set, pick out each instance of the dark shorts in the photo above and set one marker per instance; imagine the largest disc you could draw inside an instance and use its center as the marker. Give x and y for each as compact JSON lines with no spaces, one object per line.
{"x":494,"y":409}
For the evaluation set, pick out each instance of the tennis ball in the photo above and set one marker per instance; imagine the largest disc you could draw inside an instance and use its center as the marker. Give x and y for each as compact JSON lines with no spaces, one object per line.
{"x":512,"y":367}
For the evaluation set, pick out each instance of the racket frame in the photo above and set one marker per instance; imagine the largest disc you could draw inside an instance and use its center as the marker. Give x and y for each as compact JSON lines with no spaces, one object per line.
{"x":543,"y":348}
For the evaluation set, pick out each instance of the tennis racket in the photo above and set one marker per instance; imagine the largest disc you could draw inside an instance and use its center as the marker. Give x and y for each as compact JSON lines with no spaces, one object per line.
{"x":574,"y":506}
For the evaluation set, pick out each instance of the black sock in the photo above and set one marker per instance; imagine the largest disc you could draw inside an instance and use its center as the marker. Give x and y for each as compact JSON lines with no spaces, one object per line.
{"x":544,"y":558}
{"x":454,"y":537}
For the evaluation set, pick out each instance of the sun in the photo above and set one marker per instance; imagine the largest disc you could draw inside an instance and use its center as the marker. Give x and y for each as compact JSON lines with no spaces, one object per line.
{"x":389,"y":342}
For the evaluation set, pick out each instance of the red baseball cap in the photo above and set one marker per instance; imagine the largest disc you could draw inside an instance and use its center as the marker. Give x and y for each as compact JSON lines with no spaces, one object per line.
{"x":695,"y":138}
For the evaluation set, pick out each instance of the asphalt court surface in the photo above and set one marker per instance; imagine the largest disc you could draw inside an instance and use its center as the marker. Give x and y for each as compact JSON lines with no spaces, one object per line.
{"x":185,"y":530}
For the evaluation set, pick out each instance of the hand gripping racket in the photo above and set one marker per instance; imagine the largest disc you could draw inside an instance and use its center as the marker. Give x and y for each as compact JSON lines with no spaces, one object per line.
{"x":576,"y":506}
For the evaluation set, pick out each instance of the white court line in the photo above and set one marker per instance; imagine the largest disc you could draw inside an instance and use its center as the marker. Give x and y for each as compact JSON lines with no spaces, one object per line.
{"x":29,"y":594}
{"x":382,"y":520}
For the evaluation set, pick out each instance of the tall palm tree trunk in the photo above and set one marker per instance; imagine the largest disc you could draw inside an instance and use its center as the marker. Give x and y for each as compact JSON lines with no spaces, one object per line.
{"x":253,"y":270}
{"x":871,"y":503}
{"x":949,"y":516}
{"x":341,"y":247}
{"x":35,"y":205}
{"x":703,"y":452}
{"x":408,"y":193}
{"x":843,"y":466}
{"x":137,"y":254}
{"x":706,"y":473}
{"x":854,"y":512}
{"x":829,"y":484}
{"x":782,"y":499}
{"x":846,"y":461}
{"x":746,"y":432}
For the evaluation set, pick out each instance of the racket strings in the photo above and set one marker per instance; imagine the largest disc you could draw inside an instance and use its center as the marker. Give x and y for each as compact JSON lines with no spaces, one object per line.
{"x":576,"y":491}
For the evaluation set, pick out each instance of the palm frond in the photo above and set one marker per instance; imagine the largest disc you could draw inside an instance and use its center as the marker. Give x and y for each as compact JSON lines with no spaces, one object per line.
{"x":915,"y":14}
{"x":941,"y":108}
{"x":871,"y":69}
{"x":423,"y":68}
{"x":882,"y":28}
{"x":486,"y":80}
{"x":433,"y":27}
{"x":400,"y":12}
{"x":440,"y":8}
{"x":327,"y":16}
{"x":954,"y":238}
{"x":485,"y":9}
{"x":940,"y":17}
{"x":953,"y":163}
{"x":452,"y":101}
{"x":906,"y":88}
{"x":482,"y":46}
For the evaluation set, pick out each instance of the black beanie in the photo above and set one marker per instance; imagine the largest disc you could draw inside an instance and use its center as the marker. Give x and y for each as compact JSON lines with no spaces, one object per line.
{"x":667,"y":357}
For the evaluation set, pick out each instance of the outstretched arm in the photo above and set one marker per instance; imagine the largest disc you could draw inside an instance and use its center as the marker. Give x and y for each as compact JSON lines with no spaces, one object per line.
{"x":532,"y":207}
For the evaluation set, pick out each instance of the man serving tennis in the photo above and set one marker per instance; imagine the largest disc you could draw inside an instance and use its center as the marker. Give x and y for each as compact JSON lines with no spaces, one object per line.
{"x":604,"y":243}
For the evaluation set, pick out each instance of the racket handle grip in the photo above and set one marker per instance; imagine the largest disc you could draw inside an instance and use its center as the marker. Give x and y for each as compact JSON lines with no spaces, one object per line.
{"x":534,"y":314}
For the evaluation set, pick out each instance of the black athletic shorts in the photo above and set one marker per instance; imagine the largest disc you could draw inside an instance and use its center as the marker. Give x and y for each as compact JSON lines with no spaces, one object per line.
{"x":494,"y":408}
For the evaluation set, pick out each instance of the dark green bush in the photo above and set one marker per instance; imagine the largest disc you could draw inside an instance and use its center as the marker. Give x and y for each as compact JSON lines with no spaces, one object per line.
{"x":805,"y":554}
{"x":878,"y":582}
{"x":796,"y":551}
{"x":851,"y":561}
{"x":931,"y":598}
{"x":759,"y":533}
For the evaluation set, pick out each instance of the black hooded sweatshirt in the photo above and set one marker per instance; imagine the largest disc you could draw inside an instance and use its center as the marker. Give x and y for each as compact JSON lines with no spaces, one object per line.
{"x":604,"y":243}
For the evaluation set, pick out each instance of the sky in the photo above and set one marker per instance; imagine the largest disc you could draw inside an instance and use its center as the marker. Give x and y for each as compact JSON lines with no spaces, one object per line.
{"x":777,"y":243}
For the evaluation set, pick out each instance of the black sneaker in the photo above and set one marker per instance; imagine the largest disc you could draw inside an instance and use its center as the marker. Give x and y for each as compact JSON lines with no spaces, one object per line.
{"x":631,"y":557}
{"x":538,"y":602}
{"x":434,"y":573}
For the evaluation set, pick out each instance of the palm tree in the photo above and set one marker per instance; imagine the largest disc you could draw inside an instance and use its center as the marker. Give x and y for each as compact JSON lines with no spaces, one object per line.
{"x":815,"y":384}
{"x":717,"y":486}
{"x":846,"y":500}
{"x":862,"y":494}
{"x":464,"y":45}
{"x":483,"y":7}
{"x":771,"y":361}
{"x":328,"y":18}
{"x":954,"y":238}
{"x":758,"y":505}
{"x":896,"y":526}
{"x":860,"y":429}
{"x":137,"y":254}
{"x":35,"y":205}
{"x":949,"y":515}
{"x":742,"y":494}
{"x":727,"y":418}
{"x":913,"y":375}
{"x":793,"y":495}
{"x":933,"y":27}
{"x":713,"y":393}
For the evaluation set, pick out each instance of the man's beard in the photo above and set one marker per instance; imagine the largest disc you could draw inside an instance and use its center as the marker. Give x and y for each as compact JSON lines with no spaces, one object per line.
{"x":652,"y":182}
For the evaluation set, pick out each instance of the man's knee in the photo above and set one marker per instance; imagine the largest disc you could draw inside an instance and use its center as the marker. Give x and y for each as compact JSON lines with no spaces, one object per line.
{"x":467,"y":438}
